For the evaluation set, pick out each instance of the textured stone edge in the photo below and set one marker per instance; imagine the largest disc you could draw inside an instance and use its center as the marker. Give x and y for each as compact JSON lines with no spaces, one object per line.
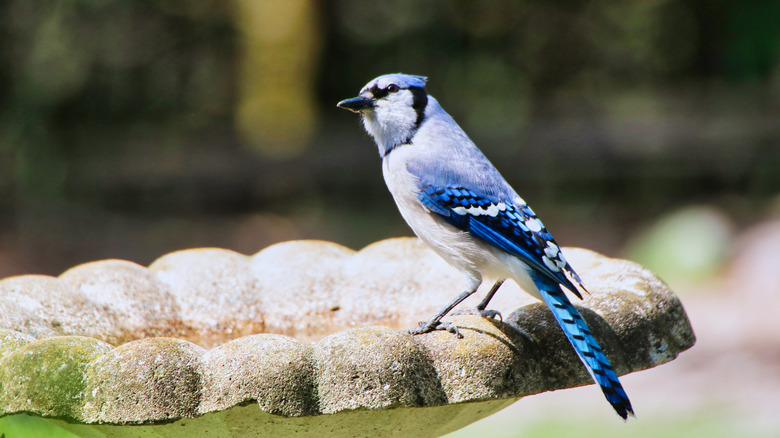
{"x":640,"y":323}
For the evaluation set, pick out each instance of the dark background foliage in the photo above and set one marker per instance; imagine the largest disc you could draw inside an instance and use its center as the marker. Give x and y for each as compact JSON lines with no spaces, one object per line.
{"x":128,"y":129}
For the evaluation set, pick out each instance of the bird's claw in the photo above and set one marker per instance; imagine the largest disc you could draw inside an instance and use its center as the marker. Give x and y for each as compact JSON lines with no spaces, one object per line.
{"x":492,"y":314}
{"x":429,"y":326}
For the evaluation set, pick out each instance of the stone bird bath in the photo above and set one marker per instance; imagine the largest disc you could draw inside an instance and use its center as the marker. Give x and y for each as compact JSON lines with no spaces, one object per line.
{"x":304,"y":338}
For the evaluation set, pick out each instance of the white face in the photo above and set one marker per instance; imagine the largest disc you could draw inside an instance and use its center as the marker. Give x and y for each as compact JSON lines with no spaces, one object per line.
{"x":396,"y":113}
{"x":393,"y":119}
{"x":392,"y":107}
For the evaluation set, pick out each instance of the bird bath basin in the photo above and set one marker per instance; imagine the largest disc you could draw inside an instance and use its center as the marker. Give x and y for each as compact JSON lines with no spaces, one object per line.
{"x":304,"y":338}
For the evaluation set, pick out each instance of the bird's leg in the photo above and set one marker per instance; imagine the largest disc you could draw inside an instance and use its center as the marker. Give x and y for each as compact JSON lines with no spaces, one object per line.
{"x":435,"y":323}
{"x":482,"y":305}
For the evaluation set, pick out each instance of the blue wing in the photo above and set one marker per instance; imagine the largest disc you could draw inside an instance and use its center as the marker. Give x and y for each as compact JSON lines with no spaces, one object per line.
{"x":511,"y":226}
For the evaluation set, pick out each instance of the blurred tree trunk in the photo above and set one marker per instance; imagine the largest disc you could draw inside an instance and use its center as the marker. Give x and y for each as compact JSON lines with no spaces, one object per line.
{"x":276,"y":105}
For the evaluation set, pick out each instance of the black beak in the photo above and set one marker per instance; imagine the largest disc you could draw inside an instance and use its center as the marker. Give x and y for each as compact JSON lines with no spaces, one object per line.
{"x":356,"y":104}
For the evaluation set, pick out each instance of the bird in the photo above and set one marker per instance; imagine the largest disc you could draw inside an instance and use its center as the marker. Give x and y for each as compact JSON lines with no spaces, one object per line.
{"x":458,"y":203}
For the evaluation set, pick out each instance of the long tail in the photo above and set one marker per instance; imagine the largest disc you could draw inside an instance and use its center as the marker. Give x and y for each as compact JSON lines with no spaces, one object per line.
{"x":585,"y":345}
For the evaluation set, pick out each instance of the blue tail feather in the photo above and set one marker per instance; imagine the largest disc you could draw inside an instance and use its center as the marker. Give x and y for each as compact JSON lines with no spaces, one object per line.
{"x":585,"y":345}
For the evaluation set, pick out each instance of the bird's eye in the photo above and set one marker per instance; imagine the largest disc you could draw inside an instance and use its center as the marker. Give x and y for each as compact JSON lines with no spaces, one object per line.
{"x":392,"y":88}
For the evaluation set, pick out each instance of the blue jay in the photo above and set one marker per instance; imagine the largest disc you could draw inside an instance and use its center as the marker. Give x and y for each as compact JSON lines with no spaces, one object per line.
{"x":457,"y":202}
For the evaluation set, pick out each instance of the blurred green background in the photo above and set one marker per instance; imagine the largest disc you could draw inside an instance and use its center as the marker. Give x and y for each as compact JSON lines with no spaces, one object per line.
{"x":641,"y":129}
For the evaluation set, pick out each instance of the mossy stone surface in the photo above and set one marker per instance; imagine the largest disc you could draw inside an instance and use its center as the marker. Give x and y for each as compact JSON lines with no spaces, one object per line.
{"x":277,"y":371}
{"x":47,"y":377}
{"x":304,"y":338}
{"x":150,"y":380}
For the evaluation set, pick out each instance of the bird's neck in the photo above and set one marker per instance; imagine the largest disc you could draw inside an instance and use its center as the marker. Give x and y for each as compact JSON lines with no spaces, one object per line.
{"x":388,"y":136}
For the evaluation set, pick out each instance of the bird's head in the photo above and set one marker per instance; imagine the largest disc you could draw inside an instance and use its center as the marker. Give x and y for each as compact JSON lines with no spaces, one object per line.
{"x":393,"y":107}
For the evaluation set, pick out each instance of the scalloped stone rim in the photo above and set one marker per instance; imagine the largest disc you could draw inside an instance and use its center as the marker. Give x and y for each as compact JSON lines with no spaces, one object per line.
{"x":113,"y":342}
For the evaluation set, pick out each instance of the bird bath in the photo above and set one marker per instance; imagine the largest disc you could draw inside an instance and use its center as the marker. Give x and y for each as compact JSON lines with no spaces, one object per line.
{"x":304,"y":338}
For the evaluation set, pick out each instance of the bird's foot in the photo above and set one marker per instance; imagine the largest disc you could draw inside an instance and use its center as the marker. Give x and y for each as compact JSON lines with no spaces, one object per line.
{"x":429,"y":326}
{"x":492,"y":314}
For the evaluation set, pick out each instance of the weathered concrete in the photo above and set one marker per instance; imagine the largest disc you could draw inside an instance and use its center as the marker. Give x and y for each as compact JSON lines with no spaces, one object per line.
{"x":111,"y":348}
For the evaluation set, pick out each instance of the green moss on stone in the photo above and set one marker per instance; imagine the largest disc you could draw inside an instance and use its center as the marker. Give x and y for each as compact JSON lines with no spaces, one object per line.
{"x":46,"y":377}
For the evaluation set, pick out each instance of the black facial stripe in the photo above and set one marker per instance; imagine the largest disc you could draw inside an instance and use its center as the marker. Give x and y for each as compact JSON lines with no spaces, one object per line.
{"x":419,"y":103}
{"x":378,"y":93}
{"x":420,"y":99}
